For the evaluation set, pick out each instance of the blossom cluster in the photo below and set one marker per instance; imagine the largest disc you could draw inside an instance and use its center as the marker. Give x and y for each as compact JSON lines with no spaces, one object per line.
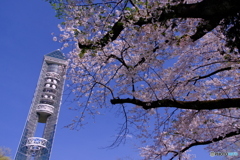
{"x":151,"y":62}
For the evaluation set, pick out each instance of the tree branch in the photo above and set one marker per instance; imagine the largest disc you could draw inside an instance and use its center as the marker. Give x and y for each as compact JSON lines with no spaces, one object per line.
{"x":195,"y":105}
{"x":196,"y":143}
{"x":212,"y":11}
{"x":210,"y":74}
{"x":109,"y":37}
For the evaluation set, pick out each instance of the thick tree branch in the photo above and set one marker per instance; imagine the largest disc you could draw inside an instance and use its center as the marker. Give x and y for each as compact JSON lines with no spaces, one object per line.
{"x":204,"y":28}
{"x":195,"y":105}
{"x":212,"y":11}
{"x":207,"y":9}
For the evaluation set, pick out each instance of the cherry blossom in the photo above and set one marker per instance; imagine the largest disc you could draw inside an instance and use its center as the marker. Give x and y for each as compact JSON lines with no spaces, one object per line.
{"x":170,"y":65}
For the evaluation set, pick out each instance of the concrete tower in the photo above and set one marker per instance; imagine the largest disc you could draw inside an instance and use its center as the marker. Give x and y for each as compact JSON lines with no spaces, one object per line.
{"x":44,"y":109}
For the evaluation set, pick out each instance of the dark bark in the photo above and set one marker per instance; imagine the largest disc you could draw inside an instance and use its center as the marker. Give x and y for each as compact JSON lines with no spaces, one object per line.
{"x":195,"y":79}
{"x":195,"y":105}
{"x":211,"y":11}
{"x":216,"y":139}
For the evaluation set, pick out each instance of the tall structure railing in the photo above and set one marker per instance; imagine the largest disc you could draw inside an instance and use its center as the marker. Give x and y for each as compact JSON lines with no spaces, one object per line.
{"x":44,"y":109}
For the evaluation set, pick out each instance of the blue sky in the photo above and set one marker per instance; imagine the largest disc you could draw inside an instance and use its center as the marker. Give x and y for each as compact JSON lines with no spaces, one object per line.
{"x":25,"y":37}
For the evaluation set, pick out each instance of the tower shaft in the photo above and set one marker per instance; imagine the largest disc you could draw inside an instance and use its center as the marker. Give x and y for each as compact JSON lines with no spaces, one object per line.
{"x":44,"y":109}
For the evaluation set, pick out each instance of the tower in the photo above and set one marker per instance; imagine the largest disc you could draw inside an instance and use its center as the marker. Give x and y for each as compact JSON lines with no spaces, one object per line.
{"x":44,"y":109}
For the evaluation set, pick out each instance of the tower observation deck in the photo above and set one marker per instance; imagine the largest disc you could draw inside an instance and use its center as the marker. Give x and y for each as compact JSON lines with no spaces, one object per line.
{"x":44,"y":109}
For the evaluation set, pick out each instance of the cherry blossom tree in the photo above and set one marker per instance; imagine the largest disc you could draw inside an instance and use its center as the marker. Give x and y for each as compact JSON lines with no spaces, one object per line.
{"x":172,"y":66}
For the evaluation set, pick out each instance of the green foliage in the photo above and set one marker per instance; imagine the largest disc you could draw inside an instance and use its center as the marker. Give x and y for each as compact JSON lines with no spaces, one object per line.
{"x":128,"y":9}
{"x":227,"y":57}
{"x":58,"y":7}
{"x":76,"y":32}
{"x":93,"y":54}
{"x":4,"y":158}
{"x":3,"y":152}
{"x":81,"y":54}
